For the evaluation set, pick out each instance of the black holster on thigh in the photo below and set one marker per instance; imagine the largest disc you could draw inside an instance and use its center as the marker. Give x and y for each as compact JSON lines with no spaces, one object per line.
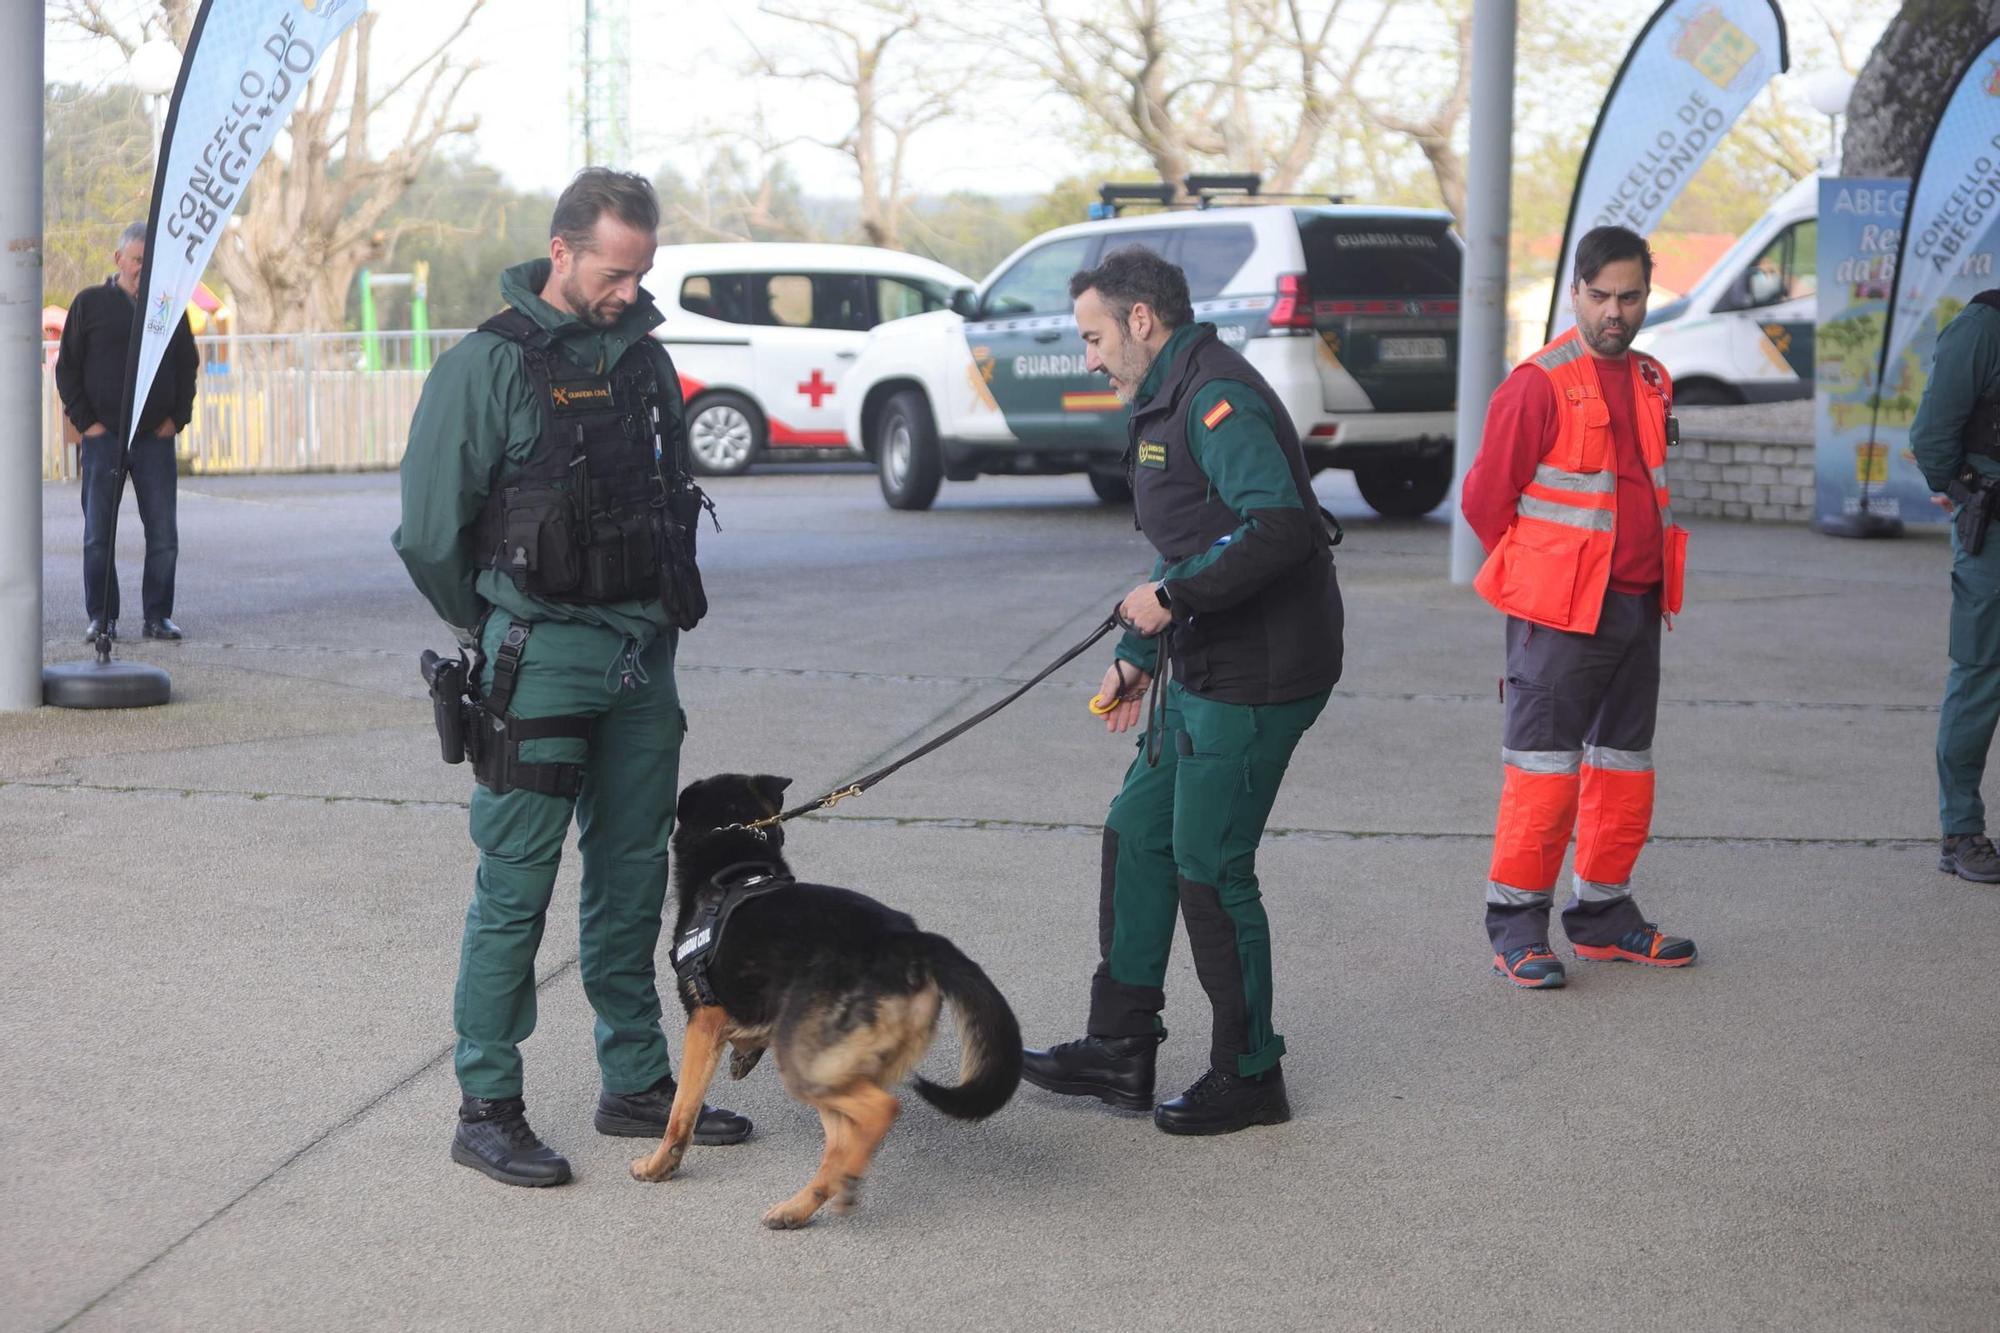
{"x":494,"y":746}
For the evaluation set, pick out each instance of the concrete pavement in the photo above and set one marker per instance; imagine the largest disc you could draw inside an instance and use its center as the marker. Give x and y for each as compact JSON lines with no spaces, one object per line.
{"x":232,"y":932}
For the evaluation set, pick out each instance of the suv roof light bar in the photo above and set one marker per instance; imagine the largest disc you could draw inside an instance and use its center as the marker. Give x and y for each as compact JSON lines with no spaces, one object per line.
{"x":1203,"y":190}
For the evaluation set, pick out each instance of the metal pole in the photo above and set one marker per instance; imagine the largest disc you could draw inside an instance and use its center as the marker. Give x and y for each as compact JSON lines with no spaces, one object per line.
{"x":1482,"y":327}
{"x":21,"y":357}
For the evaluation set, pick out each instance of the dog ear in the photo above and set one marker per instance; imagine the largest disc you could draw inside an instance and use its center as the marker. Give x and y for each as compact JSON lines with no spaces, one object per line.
{"x":771,"y":790}
{"x":686,"y":800}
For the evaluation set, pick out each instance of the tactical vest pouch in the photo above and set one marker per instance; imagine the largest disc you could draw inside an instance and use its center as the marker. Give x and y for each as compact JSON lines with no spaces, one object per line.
{"x":621,"y":561}
{"x":681,"y":594}
{"x":539,"y":532}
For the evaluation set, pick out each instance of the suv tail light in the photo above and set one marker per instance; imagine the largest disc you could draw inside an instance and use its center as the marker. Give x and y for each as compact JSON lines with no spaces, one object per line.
{"x":1294,"y":308}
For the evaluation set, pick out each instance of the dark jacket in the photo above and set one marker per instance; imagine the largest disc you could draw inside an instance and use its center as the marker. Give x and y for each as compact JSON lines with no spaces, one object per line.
{"x":90,"y":366}
{"x":1965,"y":370}
{"x":1220,"y":488}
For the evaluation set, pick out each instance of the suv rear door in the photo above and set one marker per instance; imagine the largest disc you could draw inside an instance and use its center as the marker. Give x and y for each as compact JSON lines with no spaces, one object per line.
{"x":1385,"y":306}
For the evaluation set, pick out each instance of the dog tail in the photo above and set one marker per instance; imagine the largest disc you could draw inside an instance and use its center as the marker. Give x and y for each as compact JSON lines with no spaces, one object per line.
{"x":988,"y":1036}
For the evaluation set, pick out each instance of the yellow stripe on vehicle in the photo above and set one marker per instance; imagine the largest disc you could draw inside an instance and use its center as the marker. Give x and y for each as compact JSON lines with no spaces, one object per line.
{"x":1091,"y":402}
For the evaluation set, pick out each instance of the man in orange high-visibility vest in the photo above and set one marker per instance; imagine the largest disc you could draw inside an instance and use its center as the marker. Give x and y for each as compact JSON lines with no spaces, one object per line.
{"x":1569,"y":496}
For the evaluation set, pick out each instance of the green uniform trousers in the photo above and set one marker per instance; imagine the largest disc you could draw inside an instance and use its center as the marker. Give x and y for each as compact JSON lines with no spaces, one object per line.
{"x":1972,"y":690}
{"x":624,"y":816}
{"x":1182,"y":835}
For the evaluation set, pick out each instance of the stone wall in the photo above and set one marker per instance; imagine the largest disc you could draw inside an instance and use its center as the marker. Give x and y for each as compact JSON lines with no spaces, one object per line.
{"x":1753,"y":463}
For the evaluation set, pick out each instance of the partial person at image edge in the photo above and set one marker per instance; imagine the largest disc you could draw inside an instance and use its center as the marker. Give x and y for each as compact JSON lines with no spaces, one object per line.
{"x":1956,"y":440}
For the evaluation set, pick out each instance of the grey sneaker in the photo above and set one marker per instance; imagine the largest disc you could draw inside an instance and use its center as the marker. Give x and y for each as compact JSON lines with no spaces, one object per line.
{"x":1970,"y":856}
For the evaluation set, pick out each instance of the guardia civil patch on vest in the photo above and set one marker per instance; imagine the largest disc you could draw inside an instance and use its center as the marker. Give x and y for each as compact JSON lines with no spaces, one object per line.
{"x":1216,"y":415}
{"x":1152,"y":454}
{"x":581,"y":396}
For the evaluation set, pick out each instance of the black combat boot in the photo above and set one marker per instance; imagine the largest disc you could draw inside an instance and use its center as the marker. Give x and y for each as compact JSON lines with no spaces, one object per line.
{"x":643,"y":1115}
{"x":493,"y":1136}
{"x":1117,"y":1070}
{"x":1222,"y":1103}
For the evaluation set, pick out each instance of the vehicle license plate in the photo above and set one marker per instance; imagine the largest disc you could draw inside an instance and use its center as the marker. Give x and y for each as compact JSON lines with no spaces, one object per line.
{"x":1410,"y":349}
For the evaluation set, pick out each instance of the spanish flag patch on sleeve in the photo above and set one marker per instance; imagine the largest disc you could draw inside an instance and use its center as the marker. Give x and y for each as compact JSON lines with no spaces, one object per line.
{"x":1216,"y":415}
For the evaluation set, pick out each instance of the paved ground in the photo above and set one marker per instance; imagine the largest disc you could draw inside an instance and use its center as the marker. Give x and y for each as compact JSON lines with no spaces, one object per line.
{"x":232,"y":928}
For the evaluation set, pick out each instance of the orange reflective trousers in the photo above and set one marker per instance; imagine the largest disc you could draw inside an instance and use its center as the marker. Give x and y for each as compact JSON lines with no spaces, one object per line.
{"x":1578,"y":755}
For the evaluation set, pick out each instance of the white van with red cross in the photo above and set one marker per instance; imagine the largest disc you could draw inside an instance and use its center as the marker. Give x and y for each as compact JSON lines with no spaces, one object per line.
{"x":761,"y":334}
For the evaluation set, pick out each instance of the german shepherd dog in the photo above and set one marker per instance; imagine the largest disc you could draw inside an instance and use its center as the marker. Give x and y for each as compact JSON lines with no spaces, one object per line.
{"x":844,"y":991}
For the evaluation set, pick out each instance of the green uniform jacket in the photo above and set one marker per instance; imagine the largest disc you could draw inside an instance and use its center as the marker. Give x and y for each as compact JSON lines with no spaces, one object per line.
{"x":477,"y":421}
{"x":1966,"y":369}
{"x":1248,"y":472}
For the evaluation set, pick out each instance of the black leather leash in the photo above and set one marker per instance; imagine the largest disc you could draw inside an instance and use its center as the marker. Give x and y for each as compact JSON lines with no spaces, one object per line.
{"x":860,"y":785}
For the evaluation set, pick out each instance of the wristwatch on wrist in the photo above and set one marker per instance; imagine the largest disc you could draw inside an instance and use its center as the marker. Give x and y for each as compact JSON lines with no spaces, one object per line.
{"x":1160,"y":593}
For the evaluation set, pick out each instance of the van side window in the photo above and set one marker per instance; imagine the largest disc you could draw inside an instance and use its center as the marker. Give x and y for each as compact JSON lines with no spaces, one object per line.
{"x":896,"y":298}
{"x":1038,"y":283}
{"x":787,"y":301}
{"x":840,"y":301}
{"x":723,"y":296}
{"x":1210,"y":257}
{"x":1788,"y":270}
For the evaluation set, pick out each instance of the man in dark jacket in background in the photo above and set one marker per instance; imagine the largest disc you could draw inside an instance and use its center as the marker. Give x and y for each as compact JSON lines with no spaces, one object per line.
{"x":1244,"y":605}
{"x":90,"y":377}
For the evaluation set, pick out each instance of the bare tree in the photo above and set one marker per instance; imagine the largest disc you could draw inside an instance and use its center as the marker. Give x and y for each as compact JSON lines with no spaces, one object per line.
{"x":313,"y":214}
{"x":1435,"y":130}
{"x":1901,"y":90}
{"x":744,"y":192}
{"x":1255,"y":92}
{"x":892,"y":100}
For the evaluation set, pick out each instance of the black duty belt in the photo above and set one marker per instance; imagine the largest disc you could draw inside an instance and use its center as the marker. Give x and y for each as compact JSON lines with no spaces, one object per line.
{"x":694,"y":948}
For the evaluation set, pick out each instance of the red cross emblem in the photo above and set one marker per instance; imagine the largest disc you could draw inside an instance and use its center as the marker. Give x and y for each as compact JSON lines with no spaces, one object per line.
{"x":816,"y":388}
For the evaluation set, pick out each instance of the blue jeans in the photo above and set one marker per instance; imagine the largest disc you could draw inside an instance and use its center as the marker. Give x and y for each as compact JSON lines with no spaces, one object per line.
{"x":152,"y":472}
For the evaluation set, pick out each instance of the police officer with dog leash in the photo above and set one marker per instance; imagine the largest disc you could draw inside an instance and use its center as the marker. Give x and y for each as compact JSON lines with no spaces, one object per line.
{"x":1242,"y":621}
{"x":1956,"y":440}
{"x":547,"y":518}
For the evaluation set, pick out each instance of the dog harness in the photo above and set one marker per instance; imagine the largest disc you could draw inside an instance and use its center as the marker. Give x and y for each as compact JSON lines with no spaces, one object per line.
{"x":732,"y":886}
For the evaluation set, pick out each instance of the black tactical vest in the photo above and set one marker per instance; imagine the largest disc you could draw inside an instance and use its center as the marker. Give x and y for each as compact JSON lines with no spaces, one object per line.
{"x":1282,"y":643}
{"x":583,"y":519}
{"x":1175,"y":505}
{"x":1982,"y":428}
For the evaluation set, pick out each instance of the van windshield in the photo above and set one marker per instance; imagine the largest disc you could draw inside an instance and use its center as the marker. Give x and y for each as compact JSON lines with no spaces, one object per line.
{"x":1350,"y":256}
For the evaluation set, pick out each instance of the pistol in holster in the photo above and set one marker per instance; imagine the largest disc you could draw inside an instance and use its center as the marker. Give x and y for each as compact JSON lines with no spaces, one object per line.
{"x":455,"y":709}
{"x":1973,"y":498}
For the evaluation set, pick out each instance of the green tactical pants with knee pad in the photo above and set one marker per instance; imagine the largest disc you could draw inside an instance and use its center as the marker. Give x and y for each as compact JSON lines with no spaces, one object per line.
{"x":1182,"y":838}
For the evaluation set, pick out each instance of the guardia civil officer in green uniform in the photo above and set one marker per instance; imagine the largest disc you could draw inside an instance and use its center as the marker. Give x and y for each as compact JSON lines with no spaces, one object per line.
{"x":1956,"y":440}
{"x":533,"y":502}
{"x":1244,"y":605}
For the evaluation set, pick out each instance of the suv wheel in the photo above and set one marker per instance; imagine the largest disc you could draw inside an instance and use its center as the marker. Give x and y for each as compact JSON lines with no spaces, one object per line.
{"x":1406,"y":489}
{"x":907,"y":461}
{"x":725,"y":434}
{"x":1111,"y":487}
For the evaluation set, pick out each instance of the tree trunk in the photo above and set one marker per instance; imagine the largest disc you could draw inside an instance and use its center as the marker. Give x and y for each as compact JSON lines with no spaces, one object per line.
{"x":1901,"y":91}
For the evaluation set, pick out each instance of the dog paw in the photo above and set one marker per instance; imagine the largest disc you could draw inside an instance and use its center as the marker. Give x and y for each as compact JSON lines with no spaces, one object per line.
{"x":848,"y":1196}
{"x":785,"y":1217}
{"x":644,"y":1170}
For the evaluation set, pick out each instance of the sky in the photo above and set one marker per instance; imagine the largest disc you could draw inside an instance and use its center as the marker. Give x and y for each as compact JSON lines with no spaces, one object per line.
{"x":691,"y":81}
